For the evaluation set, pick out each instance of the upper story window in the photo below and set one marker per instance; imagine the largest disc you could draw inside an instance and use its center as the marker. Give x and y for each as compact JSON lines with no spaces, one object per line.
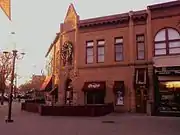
{"x":100,"y":51}
{"x":118,"y":46}
{"x":89,"y":52}
{"x":167,"y":42}
{"x":140,"y":43}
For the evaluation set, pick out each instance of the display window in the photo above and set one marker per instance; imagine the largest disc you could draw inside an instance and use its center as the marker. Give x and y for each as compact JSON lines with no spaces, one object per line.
{"x":119,"y":98}
{"x":169,"y":96}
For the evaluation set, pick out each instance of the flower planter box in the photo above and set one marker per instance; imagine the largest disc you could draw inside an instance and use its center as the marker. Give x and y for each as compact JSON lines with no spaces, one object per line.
{"x":81,"y":110}
{"x":30,"y":107}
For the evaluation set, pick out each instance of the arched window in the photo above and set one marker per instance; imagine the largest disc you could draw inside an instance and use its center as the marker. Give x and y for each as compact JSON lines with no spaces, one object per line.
{"x":167,"y":42}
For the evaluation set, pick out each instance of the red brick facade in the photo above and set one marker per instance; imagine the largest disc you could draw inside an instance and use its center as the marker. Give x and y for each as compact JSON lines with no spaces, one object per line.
{"x":126,"y":26}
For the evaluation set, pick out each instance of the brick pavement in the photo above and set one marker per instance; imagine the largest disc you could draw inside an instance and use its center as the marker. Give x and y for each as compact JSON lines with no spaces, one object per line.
{"x":33,"y":124}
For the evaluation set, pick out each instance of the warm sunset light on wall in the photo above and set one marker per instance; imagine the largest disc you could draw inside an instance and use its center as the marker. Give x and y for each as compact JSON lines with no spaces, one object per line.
{"x":174,"y":84}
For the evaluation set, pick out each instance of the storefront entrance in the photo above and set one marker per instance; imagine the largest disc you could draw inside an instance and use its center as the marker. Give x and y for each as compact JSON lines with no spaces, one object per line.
{"x":95,"y":97}
{"x":94,"y":92}
{"x":141,"y":86}
{"x":141,"y":100}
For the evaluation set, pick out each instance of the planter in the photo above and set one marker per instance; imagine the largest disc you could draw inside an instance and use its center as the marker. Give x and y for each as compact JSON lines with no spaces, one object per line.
{"x":81,"y":110}
{"x":30,"y":107}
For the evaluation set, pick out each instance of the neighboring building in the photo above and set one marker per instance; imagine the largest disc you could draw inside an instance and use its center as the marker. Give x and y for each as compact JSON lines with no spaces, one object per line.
{"x":165,"y":28}
{"x":50,"y":85}
{"x":112,"y":58}
{"x":37,"y":81}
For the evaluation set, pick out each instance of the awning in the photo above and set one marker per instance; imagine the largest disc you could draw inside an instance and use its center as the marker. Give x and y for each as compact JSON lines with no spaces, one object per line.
{"x":54,"y":90}
{"x":94,"y":86}
{"x":119,"y":86}
{"x":47,"y":84}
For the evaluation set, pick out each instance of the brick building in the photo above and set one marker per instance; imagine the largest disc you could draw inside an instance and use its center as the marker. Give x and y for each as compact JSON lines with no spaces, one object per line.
{"x":113,"y":58}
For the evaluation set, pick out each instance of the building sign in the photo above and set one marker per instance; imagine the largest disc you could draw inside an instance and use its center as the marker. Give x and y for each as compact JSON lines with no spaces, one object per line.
{"x":94,"y":85}
{"x":167,"y":70}
{"x":91,"y":86}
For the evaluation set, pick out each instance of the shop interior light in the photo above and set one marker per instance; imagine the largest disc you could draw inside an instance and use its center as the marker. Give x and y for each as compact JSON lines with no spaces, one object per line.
{"x":173,"y":84}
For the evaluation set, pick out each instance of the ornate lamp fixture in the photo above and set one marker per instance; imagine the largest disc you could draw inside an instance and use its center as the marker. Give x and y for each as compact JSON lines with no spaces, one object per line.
{"x":12,"y":55}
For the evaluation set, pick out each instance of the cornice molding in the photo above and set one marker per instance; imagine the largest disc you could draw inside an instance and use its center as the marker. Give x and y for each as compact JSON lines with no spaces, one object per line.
{"x":139,"y":17}
{"x":118,"y":20}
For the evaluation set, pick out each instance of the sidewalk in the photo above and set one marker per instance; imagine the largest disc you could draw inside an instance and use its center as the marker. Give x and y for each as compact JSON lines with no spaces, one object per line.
{"x":32,"y":124}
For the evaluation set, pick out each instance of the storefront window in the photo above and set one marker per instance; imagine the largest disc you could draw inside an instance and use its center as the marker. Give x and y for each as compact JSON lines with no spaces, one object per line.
{"x":169,"y":96}
{"x":119,"y":98}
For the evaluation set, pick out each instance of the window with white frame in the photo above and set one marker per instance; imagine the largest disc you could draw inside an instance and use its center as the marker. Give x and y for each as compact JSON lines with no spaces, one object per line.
{"x":140,"y":44}
{"x":167,"y":42}
{"x":118,"y":46}
{"x":89,"y":52}
{"x":141,"y":76}
{"x":100,"y":51}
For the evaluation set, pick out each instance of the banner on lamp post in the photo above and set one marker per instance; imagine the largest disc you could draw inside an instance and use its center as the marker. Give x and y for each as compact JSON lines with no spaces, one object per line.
{"x":6,"y":7}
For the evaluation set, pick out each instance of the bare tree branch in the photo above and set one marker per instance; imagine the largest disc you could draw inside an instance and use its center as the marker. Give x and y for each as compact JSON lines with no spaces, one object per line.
{"x":5,"y":66}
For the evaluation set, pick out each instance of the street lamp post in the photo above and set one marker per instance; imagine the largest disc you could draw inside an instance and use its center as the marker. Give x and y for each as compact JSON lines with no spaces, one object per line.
{"x":14,"y":56}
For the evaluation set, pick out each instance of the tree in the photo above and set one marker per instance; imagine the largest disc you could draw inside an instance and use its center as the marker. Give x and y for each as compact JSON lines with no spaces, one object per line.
{"x":5,"y":72}
{"x":34,"y":83}
{"x":6,"y":66}
{"x":25,"y":87}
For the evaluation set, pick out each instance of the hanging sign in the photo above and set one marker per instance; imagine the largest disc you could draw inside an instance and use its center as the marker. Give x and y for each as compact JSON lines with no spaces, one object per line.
{"x":94,"y":85}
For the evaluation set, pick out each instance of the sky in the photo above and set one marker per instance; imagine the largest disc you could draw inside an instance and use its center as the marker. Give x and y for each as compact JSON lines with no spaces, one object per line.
{"x":36,"y":22}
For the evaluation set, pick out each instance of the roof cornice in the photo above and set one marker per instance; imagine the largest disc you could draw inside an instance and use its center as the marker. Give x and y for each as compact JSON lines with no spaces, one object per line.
{"x":164,"y":5}
{"x":54,"y":42}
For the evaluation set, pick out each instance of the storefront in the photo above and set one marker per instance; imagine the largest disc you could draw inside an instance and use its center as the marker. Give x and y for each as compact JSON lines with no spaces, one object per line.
{"x":94,"y":92}
{"x":168,"y":90}
{"x":50,"y":91}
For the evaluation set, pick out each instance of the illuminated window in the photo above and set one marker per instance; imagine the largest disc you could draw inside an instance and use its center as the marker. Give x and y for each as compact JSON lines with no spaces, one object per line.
{"x":173,"y":84}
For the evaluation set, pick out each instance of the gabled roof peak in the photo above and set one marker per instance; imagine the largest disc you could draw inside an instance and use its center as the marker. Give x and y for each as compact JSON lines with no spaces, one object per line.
{"x":71,"y":10}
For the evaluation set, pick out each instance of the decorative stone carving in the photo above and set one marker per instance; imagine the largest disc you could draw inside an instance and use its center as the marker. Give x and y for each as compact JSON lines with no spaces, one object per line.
{"x":66,"y":53}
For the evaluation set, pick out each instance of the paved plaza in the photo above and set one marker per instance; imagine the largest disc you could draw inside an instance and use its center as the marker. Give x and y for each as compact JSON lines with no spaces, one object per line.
{"x":114,"y":124}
